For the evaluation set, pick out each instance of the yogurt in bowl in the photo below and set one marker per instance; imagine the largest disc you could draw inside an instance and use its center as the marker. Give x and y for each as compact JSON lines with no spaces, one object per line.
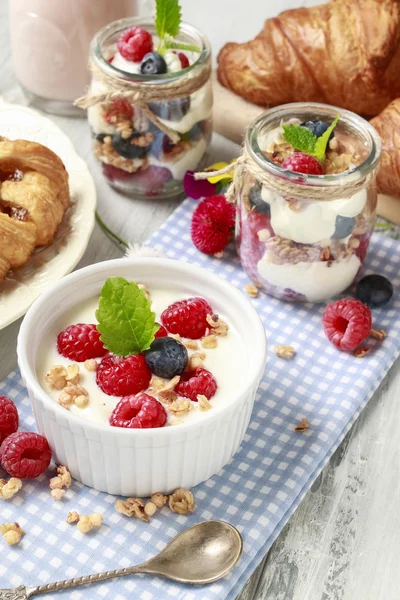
{"x":217,"y":355}
{"x":138,"y":461}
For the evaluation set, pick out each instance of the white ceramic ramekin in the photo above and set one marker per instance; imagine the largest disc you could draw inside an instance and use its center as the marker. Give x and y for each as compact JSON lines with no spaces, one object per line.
{"x":142,"y":461}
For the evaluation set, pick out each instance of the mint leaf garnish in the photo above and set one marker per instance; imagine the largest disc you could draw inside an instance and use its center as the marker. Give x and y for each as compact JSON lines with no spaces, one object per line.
{"x":322,"y":141}
{"x":168,"y":19}
{"x":304,"y":140}
{"x":125,"y":320}
{"x":300,"y":138}
{"x":172,"y":45}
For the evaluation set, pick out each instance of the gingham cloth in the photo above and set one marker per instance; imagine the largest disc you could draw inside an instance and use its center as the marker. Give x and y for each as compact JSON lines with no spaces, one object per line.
{"x":263,"y":484}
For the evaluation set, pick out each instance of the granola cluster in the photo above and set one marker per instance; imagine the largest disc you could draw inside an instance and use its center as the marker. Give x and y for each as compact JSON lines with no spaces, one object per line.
{"x":67,"y":379}
{"x":342,"y":154}
{"x":181,"y":501}
{"x":85,"y":523}
{"x":9,"y":488}
{"x":11,"y":532}
{"x":57,"y":484}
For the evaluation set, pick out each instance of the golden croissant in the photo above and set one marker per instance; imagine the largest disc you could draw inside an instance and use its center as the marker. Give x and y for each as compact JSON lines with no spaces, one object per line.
{"x":387,"y":125}
{"x":34,"y":195}
{"x":346,"y":53}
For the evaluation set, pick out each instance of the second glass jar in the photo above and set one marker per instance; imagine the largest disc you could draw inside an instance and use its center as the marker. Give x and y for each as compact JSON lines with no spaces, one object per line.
{"x":136,"y":157}
{"x":307,"y":249}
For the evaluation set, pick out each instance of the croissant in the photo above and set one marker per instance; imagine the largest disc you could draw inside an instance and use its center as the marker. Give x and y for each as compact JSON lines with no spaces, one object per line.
{"x":34,"y":195}
{"x":387,"y":125}
{"x":346,"y":52}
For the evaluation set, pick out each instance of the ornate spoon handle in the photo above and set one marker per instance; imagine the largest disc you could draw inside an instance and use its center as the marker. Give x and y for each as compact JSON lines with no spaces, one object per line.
{"x":76,"y":581}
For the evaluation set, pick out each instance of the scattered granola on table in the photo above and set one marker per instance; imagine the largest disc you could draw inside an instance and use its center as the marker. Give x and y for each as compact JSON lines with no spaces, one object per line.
{"x":132,"y":507}
{"x":284,"y":351}
{"x":9,"y":488}
{"x":88,"y":522}
{"x":251,"y":290}
{"x":361,"y":352}
{"x":62,"y":480}
{"x":303,"y":426}
{"x":181,"y":501}
{"x":11,"y":532}
{"x":378,"y":334}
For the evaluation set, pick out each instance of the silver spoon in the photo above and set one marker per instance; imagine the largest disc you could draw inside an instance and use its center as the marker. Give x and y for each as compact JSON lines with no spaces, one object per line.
{"x":201,"y":554}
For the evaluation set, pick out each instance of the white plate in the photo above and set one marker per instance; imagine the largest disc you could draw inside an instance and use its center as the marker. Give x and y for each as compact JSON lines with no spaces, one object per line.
{"x":22,"y":286}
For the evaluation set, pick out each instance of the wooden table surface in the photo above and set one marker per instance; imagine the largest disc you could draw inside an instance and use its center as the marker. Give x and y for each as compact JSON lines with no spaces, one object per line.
{"x":343,"y":542}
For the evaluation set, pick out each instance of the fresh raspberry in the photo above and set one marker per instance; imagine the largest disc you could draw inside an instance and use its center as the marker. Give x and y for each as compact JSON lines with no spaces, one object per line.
{"x":162,"y":332}
{"x":187,"y":317}
{"x":138,"y":412}
{"x":80,"y":342}
{"x":8,"y":418}
{"x":118,"y":376}
{"x":183,"y":58}
{"x":213,"y":222}
{"x":300,"y":162}
{"x":194,"y":383}
{"x":347,"y":323}
{"x":25,"y":454}
{"x":117,"y":110}
{"x":134,"y":43}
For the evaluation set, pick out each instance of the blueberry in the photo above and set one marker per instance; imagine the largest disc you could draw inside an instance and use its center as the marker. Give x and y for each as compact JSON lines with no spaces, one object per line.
{"x":374,"y":290}
{"x":166,"y":357}
{"x":195,"y":133}
{"x":99,"y":136}
{"x":161,"y":144}
{"x":317,"y":127}
{"x":257,"y":202}
{"x":173,"y":110}
{"x":153,"y":64}
{"x":343,"y":227}
{"x":127,"y":148}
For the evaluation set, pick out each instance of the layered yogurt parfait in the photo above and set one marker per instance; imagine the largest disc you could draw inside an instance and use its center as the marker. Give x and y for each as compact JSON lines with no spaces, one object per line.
{"x":306,"y":210}
{"x":108,"y":360}
{"x":137,"y":157}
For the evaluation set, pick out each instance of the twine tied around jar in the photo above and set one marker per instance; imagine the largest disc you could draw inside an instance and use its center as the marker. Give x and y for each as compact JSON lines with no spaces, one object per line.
{"x":140,"y":93}
{"x":279,"y":184}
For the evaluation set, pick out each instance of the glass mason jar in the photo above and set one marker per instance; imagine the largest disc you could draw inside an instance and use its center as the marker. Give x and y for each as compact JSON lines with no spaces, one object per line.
{"x":152,"y":166}
{"x":310,"y":247}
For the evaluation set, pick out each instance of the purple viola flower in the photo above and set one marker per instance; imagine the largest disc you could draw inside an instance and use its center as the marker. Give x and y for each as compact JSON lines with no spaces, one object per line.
{"x":197,"y":188}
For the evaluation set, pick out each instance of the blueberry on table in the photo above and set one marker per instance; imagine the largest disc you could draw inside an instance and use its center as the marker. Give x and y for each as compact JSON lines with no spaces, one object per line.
{"x":127,"y":148}
{"x":166,"y":357}
{"x":343,"y":227}
{"x":172,"y":110}
{"x":153,"y":64}
{"x":318,"y":128}
{"x":374,"y":290}
{"x":257,"y":202}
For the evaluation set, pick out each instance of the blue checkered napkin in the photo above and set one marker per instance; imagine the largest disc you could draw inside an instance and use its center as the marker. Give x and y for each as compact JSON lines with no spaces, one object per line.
{"x":261,"y":487}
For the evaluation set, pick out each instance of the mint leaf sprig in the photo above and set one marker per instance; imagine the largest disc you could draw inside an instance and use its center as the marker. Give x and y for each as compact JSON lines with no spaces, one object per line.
{"x":125,"y":319}
{"x":168,"y":23}
{"x":304,"y":140}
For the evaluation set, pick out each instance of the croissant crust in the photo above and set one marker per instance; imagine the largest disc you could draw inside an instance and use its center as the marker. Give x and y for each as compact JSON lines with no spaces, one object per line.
{"x":34,"y":195}
{"x":387,"y":125}
{"x":346,"y":52}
